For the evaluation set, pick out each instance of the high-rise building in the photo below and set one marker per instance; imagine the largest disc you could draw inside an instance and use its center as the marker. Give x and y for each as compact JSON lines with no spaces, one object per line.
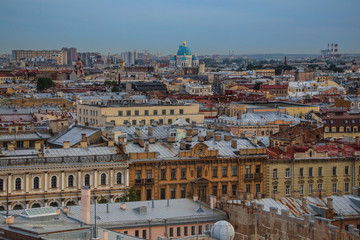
{"x":57,"y":55}
{"x":129,"y":57}
{"x":72,"y":55}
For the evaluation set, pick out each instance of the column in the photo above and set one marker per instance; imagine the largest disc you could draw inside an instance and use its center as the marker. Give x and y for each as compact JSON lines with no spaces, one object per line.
{"x":62,"y":180}
{"x":111,"y":177}
{"x":45,"y":182}
{"x":79,"y":179}
{"x":95,"y":179}
{"x":27,"y":182}
{"x":9,"y":183}
{"x":126,"y":177}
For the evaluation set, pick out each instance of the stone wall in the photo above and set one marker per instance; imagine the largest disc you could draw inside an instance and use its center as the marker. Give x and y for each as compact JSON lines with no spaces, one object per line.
{"x":253,"y":223}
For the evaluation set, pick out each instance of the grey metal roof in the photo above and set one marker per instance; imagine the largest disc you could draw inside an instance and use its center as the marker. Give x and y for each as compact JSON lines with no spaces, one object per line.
{"x":179,"y":210}
{"x":73,"y":135}
{"x":24,"y":136}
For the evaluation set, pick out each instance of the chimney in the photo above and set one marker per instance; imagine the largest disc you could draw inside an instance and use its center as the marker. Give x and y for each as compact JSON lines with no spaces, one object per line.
{"x":146,"y":147}
{"x":171,"y":139}
{"x":85,"y":204}
{"x":201,"y":138}
{"x":105,"y":235}
{"x":58,"y":211}
{"x":9,"y":220}
{"x":195,"y":198}
{"x":23,"y":128}
{"x":218,"y":137}
{"x":83,"y":136}
{"x":32,"y":127}
{"x":296,"y":194}
{"x":189,"y":132}
{"x":121,"y":139}
{"x":329,"y":203}
{"x":150,"y":131}
{"x":209,"y":134}
{"x":37,"y":145}
{"x":83,"y":143}
{"x":303,"y":203}
{"x":234,"y":144}
{"x":111,"y":142}
{"x":357,"y":140}
{"x":355,"y":191}
{"x":11,"y":146}
{"x":141,"y":142}
{"x":227,"y":138}
{"x":188,"y":139}
{"x":66,"y":144}
{"x":16,"y":129}
{"x":10,"y":129}
{"x":275,"y":195}
{"x":152,"y":140}
{"x":123,"y":206}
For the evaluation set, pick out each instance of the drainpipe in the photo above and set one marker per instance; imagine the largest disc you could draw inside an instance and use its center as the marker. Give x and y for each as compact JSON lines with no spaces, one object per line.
{"x":292,"y":176}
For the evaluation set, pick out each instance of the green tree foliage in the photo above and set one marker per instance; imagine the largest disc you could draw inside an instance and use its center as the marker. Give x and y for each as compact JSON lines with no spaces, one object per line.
{"x":335,"y":69}
{"x":115,"y":89}
{"x":257,"y":86}
{"x":130,"y":196}
{"x":44,"y":83}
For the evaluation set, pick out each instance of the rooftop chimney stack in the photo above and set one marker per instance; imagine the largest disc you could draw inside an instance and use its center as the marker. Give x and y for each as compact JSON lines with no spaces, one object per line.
{"x":85,"y":204}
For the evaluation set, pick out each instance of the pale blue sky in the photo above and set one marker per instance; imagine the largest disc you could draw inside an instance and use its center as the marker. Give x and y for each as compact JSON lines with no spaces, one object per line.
{"x":209,"y":26}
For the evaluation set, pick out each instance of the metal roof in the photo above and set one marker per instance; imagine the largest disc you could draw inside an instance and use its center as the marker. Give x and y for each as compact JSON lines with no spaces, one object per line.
{"x":73,"y":135}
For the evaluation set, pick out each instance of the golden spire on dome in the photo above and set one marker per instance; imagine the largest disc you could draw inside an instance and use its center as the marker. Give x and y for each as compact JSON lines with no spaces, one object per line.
{"x":184,"y":43}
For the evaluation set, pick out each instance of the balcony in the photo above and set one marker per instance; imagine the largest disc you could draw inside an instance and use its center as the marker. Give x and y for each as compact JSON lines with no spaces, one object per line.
{"x":253,"y":176}
{"x":258,"y":176}
{"x":149,"y":181}
{"x":139,"y":181}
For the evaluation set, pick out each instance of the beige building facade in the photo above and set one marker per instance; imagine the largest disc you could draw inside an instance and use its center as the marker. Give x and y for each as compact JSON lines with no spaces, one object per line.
{"x":137,"y":114}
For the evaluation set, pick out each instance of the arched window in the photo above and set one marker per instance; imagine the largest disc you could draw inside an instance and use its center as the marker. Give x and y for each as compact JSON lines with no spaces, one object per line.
{"x":71,"y":181}
{"x":326,"y":129}
{"x":36,"y":183}
{"x":53,"y":182}
{"x":333,"y":129}
{"x":1,"y":185}
{"x":348,"y":129}
{"x":118,"y":178}
{"x":355,"y":129}
{"x":36,"y":205}
{"x":103,"y":179}
{"x":18,"y":184}
{"x":54,"y":204}
{"x":17,"y":206}
{"x":87,"y":180}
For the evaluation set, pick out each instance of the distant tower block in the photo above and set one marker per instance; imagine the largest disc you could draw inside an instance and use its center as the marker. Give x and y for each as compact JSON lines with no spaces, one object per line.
{"x":336,"y":48}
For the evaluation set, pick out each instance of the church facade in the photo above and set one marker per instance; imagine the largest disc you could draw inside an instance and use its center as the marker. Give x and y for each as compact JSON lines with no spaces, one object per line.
{"x":184,"y":58}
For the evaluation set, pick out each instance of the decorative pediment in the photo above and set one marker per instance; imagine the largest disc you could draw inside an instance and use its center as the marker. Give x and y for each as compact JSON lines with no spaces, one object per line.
{"x":301,"y":182}
{"x":275,"y":183}
{"x":288,"y":182}
{"x":200,"y":180}
{"x":320,"y":181}
{"x":347,"y":180}
{"x":200,"y":150}
{"x":310,"y":181}
{"x":334,"y":180}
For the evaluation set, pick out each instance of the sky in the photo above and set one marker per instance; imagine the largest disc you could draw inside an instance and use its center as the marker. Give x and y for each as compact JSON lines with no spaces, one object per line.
{"x":208,"y":26}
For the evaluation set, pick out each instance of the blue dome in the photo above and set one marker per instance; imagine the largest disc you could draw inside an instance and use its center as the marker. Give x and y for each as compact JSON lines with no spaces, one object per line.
{"x":195,"y":58}
{"x":172,"y":58}
{"x":184,"y":58}
{"x":183,"y":50}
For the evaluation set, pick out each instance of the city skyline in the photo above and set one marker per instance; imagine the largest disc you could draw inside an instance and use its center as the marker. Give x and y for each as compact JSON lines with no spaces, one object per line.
{"x":211,"y":27}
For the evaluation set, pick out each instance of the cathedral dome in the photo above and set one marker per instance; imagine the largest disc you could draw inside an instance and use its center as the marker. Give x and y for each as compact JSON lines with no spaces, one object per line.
{"x":172,"y":58}
{"x":184,"y":58}
{"x":195,"y":58}
{"x":183,"y":50}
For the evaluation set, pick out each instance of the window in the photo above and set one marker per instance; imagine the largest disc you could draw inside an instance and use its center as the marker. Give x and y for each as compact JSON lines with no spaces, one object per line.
{"x":233,"y":188}
{"x":169,"y":121}
{"x":136,"y":233}
{"x":200,"y":229}
{"x":173,"y":173}
{"x":148,"y":194}
{"x":185,"y":231}
{"x":334,"y":187}
{"x":103,"y":179}
{"x":247,"y":188}
{"x":136,"y":112}
{"x":163,"y":112}
{"x":310,"y":188}
{"x":301,"y":189}
{"x":20,"y":144}
{"x":178,"y":231}
{"x":182,"y":193}
{"x":146,"y":112}
{"x":155,"y":112}
{"x":310,"y":172}
{"x":347,"y":187}
{"x":53,"y":182}
{"x":199,"y":172}
{"x":172,"y":112}
{"x":144,"y":233}
{"x":234,"y":170}
{"x":71,"y":181}
{"x":172,"y":193}
{"x":301,"y":172}
{"x":187,"y":120}
{"x":214,"y":190}
{"x":257,"y":169}
{"x":346,"y":121}
{"x":346,"y":170}
{"x":192,"y":230}
{"x":334,"y":171}
{"x":287,"y":172}
{"x":36,"y":183}
{"x":32,"y":144}
{"x":1,"y":185}
{"x":183,"y":173}
{"x":163,"y":174}
{"x":87,"y":180}
{"x":224,"y":171}
{"x":215,"y":170}
{"x":224,"y":189}
{"x":333,"y":129}
{"x":133,"y":122}
{"x":320,"y":186}
{"x":162,"y":193}
{"x":287,"y":190}
{"x":148,"y":174}
{"x":257,"y":187}
{"x":181,"y":111}
{"x":138,"y":174}
{"x":275,"y":188}
{"x":248,"y":171}
{"x":120,"y":113}
{"x":119,"y":178}
{"x":128,"y":113}
{"x":161,"y":121}
{"x":275,"y":175}
{"x":320,"y":171}
{"x":18,"y":184}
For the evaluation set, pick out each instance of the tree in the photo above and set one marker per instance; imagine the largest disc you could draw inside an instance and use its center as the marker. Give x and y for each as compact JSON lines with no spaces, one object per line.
{"x":257,"y":85}
{"x":130,"y":196}
{"x":44,"y":83}
{"x":115,"y":89}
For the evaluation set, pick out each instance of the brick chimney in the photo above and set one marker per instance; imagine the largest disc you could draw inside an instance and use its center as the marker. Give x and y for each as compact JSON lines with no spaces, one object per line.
{"x":121,"y":139}
{"x":111,"y":142}
{"x":212,"y":202}
{"x":234,"y":144}
{"x":32,"y":127}
{"x":123,"y":206}
{"x":209,"y":134}
{"x":150,"y":131}
{"x":201,"y":138}
{"x":227,"y":137}
{"x":10,"y":129}
{"x":188,"y":138}
{"x":218,"y":137}
{"x":85,"y":204}
{"x":66,"y":144}
{"x":146,"y":147}
{"x":11,"y":146}
{"x":329,"y":203}
{"x":37,"y":145}
{"x":23,"y":128}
